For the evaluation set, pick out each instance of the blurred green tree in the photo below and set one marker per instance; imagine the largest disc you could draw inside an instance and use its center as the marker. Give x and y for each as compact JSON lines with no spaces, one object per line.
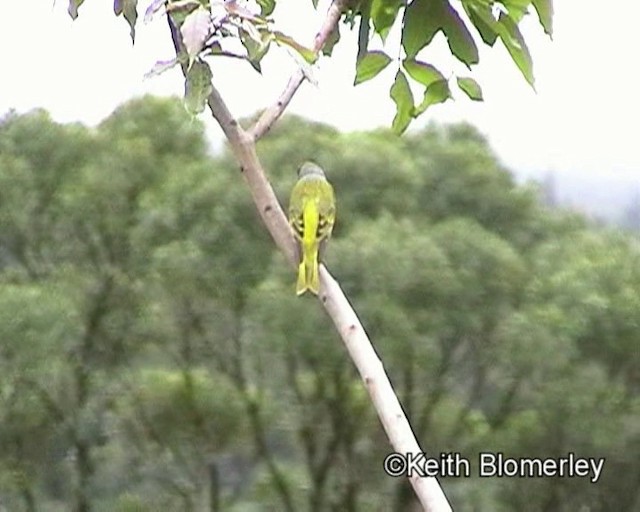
{"x":153,"y":355}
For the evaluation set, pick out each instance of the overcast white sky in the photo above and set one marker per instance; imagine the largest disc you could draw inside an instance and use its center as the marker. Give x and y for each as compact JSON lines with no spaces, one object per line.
{"x":583,"y":118}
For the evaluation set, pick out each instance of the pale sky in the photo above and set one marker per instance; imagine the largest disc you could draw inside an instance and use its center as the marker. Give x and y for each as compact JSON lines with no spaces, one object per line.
{"x":583,"y":117}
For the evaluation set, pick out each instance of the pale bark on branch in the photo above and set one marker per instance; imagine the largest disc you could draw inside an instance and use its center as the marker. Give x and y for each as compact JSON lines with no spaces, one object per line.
{"x":271,"y":114}
{"x":242,"y":143}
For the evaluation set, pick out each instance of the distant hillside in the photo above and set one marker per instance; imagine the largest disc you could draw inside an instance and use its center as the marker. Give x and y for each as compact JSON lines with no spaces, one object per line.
{"x":603,"y":196}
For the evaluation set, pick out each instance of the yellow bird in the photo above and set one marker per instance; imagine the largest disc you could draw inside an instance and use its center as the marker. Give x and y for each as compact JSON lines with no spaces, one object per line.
{"x":312,"y":213}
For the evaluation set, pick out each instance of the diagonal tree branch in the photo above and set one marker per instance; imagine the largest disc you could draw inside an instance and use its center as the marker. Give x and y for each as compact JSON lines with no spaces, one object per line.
{"x":243,"y":146}
{"x":244,"y":149}
{"x":333,"y":299}
{"x":271,"y":114}
{"x":379,"y":387}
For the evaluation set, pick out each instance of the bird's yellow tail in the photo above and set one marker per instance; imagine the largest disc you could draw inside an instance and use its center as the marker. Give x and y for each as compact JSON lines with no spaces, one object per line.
{"x":308,"y":278}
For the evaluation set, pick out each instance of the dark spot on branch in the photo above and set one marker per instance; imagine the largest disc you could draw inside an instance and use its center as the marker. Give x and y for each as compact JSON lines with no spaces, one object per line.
{"x":267,"y":208}
{"x":233,"y":123}
{"x":242,"y":168}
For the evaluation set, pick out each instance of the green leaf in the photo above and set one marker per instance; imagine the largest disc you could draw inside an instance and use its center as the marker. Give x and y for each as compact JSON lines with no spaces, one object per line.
{"x":266,"y":7}
{"x":370,"y":65}
{"x":459,"y":38}
{"x":544,"y":8}
{"x":315,"y":3}
{"x":400,"y":93}
{"x":422,"y":72}
{"x":128,"y":9}
{"x":420,"y":25}
{"x":73,"y":8}
{"x":437,"y":92}
{"x":197,"y":87}
{"x":471,"y":88}
{"x":307,"y":53}
{"x":256,"y":50}
{"x":423,"y":19}
{"x":384,"y":14}
{"x":332,"y":40}
{"x":130,"y":13}
{"x":482,"y":18}
{"x":180,"y":9}
{"x":181,"y":5}
{"x":516,"y":8}
{"x":516,"y":46}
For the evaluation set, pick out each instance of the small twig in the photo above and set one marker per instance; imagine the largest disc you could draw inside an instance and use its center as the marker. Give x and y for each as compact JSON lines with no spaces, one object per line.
{"x":271,"y":114}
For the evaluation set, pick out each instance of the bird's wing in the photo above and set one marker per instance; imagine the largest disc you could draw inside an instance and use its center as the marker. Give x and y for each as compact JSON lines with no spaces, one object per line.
{"x":296,"y":219}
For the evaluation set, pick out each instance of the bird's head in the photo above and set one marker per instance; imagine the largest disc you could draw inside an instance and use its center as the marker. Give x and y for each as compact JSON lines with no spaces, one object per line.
{"x":310,"y":169}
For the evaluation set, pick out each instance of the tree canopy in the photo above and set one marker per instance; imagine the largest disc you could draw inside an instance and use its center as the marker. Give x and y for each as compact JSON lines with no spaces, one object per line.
{"x":154,"y":355}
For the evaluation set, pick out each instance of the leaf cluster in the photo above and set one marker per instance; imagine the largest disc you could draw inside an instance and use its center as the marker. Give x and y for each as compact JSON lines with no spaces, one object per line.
{"x":209,"y":28}
{"x":485,"y":21}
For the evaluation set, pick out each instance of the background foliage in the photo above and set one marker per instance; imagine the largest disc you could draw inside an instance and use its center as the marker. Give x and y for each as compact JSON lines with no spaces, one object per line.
{"x":153,"y":355}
